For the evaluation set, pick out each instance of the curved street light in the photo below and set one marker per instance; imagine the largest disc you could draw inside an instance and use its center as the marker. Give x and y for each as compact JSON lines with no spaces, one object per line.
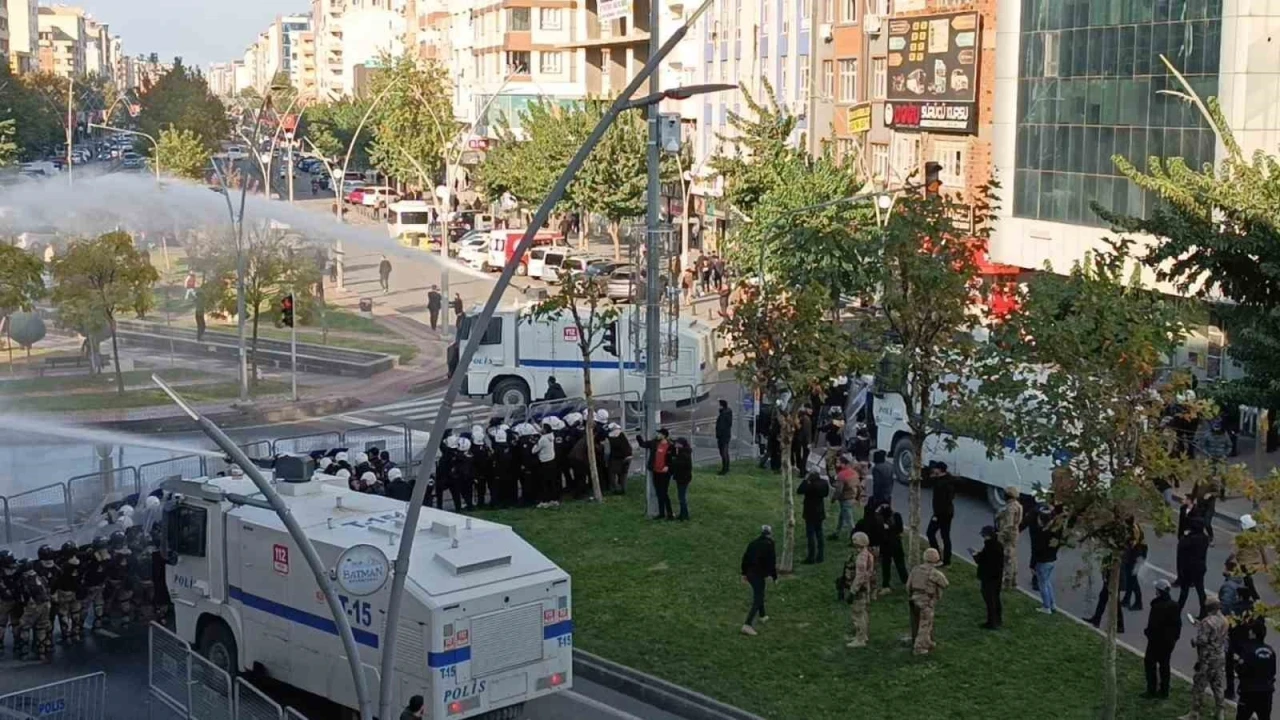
{"x":155,"y":146}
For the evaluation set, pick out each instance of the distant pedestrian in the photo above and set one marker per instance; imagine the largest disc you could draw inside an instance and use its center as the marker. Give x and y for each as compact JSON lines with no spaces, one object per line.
{"x":1257,"y":663}
{"x":815,"y":491}
{"x":724,"y":434}
{"x":1237,"y":606}
{"x":891,"y":552}
{"x":990,"y":560}
{"x":882,"y":477}
{"x":619,"y":459}
{"x":1164,"y":627}
{"x":1210,"y":643}
{"x":703,"y":267}
{"x":548,"y":470}
{"x":723,"y":294}
{"x":190,"y":284}
{"x":434,"y":303}
{"x":1193,"y":551}
{"x":1046,"y":538}
{"x":759,"y":562}
{"x":846,"y":492}
{"x":1009,"y":525}
{"x":944,"y":509}
{"x":1135,"y":555}
{"x":456,"y":304}
{"x":1104,"y":595}
{"x":416,"y":708}
{"x":859,"y":571}
{"x":924,"y":590}
{"x":800,"y":441}
{"x":384,"y":274}
{"x":554,"y":390}
{"x":660,"y":465}
{"x":682,"y":473}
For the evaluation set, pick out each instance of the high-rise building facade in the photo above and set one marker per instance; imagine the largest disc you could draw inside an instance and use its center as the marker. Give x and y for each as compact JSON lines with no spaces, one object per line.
{"x":24,"y":36}
{"x":62,"y":40}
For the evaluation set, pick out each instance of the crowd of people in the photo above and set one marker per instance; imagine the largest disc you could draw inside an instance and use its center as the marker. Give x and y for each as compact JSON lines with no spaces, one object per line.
{"x":116,"y":579}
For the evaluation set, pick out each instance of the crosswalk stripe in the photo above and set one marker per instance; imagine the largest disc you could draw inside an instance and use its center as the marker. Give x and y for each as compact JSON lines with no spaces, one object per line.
{"x":424,"y":408}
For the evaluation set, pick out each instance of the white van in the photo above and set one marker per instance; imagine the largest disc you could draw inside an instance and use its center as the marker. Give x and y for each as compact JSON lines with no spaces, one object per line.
{"x":517,"y":355}
{"x":407,"y":218}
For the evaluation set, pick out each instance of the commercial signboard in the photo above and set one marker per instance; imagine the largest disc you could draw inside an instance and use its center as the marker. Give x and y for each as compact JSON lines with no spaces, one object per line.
{"x":607,"y":10}
{"x":934,"y":58}
{"x":859,"y":118}
{"x":931,"y":116}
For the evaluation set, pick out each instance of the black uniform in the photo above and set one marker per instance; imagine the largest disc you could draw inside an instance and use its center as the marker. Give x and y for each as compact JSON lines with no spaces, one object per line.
{"x":503,"y":487}
{"x":990,"y":561}
{"x":1256,"y":666}
{"x":1164,"y":627}
{"x":482,"y":469}
{"x":944,"y":510}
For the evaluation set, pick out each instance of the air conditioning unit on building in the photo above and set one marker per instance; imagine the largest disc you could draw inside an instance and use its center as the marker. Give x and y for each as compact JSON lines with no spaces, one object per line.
{"x":872,"y":24}
{"x":824,"y":30}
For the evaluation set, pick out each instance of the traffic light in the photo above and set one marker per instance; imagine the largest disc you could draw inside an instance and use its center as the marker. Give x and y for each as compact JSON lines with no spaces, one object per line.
{"x":610,"y":344}
{"x":286,"y":310}
{"x":932,"y":178}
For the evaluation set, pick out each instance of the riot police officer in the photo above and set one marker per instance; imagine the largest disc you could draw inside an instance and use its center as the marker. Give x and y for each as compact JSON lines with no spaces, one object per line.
{"x":35,"y":616}
{"x":68,"y":595}
{"x":144,"y":589}
{"x":10,"y":596}
{"x":95,"y":581}
{"x":119,"y":585}
{"x":46,"y":566}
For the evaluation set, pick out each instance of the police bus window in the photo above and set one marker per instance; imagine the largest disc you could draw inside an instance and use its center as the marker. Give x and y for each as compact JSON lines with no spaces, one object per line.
{"x":187,"y":531}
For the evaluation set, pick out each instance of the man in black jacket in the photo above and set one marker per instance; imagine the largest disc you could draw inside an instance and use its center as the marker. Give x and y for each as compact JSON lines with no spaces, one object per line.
{"x":724,"y":433}
{"x":944,"y":509}
{"x":554,"y":390}
{"x":760,"y":561}
{"x":891,"y":547}
{"x":1193,"y":548}
{"x":434,"y":302}
{"x":882,"y":480}
{"x":1256,"y":663}
{"x":1164,"y":626}
{"x":815,"y":491}
{"x":800,"y":440}
{"x":990,"y":560}
{"x":1046,"y":538}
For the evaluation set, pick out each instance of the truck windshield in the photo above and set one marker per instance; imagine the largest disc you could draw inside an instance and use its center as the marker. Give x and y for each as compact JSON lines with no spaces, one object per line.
{"x":493,"y":336}
{"x":414,"y":218}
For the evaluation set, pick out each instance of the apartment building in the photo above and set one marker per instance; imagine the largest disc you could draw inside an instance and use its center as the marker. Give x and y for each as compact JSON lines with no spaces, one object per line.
{"x":351,"y":34}
{"x":62,"y":37}
{"x":24,"y":36}
{"x":4,"y":29}
{"x":121,"y":65}
{"x":302,"y":63}
{"x":97,"y":47}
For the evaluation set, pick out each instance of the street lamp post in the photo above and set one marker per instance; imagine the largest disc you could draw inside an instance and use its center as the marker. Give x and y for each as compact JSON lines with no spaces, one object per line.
{"x":414,"y":509}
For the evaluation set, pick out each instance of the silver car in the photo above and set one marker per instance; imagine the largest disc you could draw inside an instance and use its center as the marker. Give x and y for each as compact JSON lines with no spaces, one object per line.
{"x":619,"y":286}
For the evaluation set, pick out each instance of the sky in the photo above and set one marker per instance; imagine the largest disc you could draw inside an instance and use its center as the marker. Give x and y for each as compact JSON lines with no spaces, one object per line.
{"x":200,"y":31}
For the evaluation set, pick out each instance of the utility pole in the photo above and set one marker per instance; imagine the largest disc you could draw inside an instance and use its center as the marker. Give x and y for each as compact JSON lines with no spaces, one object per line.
{"x":653,"y":265}
{"x":71,"y":125}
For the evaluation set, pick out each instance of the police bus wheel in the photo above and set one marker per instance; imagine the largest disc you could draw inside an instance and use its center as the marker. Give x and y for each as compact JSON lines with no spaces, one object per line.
{"x":904,"y":460}
{"x":995,"y":497}
{"x":511,"y":391}
{"x":217,"y":645}
{"x":513,"y":712}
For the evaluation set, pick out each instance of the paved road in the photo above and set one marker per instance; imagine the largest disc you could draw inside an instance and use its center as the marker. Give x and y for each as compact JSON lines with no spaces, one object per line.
{"x":125,"y":662}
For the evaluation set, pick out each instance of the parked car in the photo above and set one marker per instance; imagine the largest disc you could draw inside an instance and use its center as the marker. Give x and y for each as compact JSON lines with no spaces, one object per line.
{"x":572,"y":264}
{"x":353,"y":192}
{"x":235,"y":153}
{"x":378,"y":195}
{"x":619,"y":286}
{"x":473,"y":251}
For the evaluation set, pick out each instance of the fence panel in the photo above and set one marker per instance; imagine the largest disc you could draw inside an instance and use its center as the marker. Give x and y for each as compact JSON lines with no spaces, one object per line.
{"x":306,"y":443}
{"x":168,"y":667}
{"x":80,"y":698}
{"x":256,"y":449}
{"x":211,"y":692}
{"x":36,"y":513}
{"x":252,"y":704}
{"x":291,"y":714}
{"x":150,"y":475}
{"x":87,"y":494}
{"x":394,"y":438}
{"x":705,"y":413}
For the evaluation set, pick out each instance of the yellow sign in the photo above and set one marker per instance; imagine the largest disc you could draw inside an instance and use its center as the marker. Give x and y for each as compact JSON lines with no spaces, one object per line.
{"x":859,"y":118}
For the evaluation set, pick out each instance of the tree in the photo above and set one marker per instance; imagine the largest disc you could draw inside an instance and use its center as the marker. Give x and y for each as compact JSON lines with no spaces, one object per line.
{"x":26,"y":329}
{"x":37,"y":105}
{"x":330,"y":127}
{"x":97,"y":279}
{"x":1072,"y":375}
{"x":924,"y":285}
{"x":180,"y":99}
{"x":182,"y":153}
{"x":21,"y":284}
{"x":413,"y":124}
{"x":779,"y":342}
{"x":525,"y":162}
{"x":584,"y":300}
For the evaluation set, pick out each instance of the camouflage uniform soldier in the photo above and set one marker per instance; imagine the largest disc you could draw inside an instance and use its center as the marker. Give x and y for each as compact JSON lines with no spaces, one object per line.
{"x":95,"y":581}
{"x":924,"y":587}
{"x":1210,"y":643}
{"x":1008,"y":523}
{"x":858,"y":572}
{"x":10,"y":593}
{"x":35,"y":617}
{"x":67,"y":595}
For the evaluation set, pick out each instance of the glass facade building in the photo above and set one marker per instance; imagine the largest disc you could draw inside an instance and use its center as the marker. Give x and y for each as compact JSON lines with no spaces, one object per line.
{"x":1089,"y":87}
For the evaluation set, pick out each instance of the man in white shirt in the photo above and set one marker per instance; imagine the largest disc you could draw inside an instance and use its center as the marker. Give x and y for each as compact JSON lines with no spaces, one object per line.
{"x":548,"y":470}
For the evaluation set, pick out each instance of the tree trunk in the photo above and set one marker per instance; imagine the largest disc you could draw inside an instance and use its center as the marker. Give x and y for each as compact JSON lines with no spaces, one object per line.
{"x":115,"y":357}
{"x":253,"y":351}
{"x":615,"y":228}
{"x":914,"y":500}
{"x":1109,"y":647}
{"x":786,"y":562}
{"x":591,"y":428}
{"x":583,"y":241}
{"x":9,"y":344}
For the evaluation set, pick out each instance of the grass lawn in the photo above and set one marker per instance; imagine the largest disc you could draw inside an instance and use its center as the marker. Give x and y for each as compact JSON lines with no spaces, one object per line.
{"x":666,"y":598}
{"x":347,"y":321}
{"x":141,"y":398}
{"x":403,"y":351}
{"x":103,"y":381}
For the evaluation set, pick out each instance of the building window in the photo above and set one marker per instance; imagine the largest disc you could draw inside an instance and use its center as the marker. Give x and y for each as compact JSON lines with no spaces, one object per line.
{"x":906,"y":156}
{"x":850,"y":11}
{"x":879,"y":78}
{"x":550,"y":63}
{"x":782,"y":87}
{"x":828,"y":80}
{"x":518,"y":62}
{"x":518,"y":20}
{"x":849,"y":80}
{"x":764,"y":16}
{"x":828,"y":11}
{"x":550,"y":19}
{"x":1051,"y":54}
{"x":878,"y":7}
{"x":951,"y":155}
{"x":806,"y":9}
{"x":804,"y":82}
{"x":880,"y":161}
{"x":844,"y":150}
{"x":786,"y":26}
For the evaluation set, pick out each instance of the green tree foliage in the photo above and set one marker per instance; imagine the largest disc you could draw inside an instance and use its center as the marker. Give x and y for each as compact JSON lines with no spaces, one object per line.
{"x":779,"y":343}
{"x":923,"y":282}
{"x":97,"y":279}
{"x":413,"y":123}
{"x":183,"y":153}
{"x":26,"y":329}
{"x":21,"y":280}
{"x":585,"y":302}
{"x":777,"y":184}
{"x":37,"y":106}
{"x":180,"y":99}
{"x":1072,"y":375}
{"x":526,"y":163}
{"x":330,"y":127}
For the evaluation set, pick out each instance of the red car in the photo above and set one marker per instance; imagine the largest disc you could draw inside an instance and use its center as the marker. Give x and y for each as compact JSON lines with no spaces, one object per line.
{"x":355,"y":196}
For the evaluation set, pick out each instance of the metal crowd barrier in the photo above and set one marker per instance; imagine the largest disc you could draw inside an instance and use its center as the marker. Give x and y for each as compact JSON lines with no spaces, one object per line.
{"x":88,"y":493}
{"x":80,"y":698}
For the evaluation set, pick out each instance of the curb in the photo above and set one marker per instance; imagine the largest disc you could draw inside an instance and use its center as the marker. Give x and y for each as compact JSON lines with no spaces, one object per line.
{"x":230,"y":419}
{"x":654,"y":691}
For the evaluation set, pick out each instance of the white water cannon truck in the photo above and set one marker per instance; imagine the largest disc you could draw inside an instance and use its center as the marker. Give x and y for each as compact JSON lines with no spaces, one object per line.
{"x":487,"y":624}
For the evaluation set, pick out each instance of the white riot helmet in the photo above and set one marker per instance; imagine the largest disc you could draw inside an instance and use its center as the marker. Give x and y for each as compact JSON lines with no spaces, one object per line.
{"x":341,"y":457}
{"x":614,"y":430}
{"x":1247,"y":522}
{"x":152,"y":502}
{"x":344,"y":474}
{"x":126,"y":510}
{"x":602,"y":415}
{"x":573,"y":418}
{"x":368,"y":477}
{"x":451,"y":442}
{"x":555,"y":422}
{"x":477,"y":433}
{"x":499,"y":435}
{"x":360,"y":459}
{"x":325,"y":463}
{"x":394,"y":474}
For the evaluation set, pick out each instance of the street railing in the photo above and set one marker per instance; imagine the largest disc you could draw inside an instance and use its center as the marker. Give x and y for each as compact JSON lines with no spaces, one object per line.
{"x":79,"y":698}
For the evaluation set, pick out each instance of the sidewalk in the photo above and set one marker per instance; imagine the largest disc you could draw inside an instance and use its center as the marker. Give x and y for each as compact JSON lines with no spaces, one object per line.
{"x":1259,"y":465}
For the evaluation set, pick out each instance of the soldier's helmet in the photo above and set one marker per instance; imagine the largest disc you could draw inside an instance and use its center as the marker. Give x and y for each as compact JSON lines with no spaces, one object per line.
{"x":931,"y":556}
{"x":860,"y":539}
{"x":7,"y":560}
{"x":117,"y":540}
{"x":45,"y":553}
{"x":99,"y":543}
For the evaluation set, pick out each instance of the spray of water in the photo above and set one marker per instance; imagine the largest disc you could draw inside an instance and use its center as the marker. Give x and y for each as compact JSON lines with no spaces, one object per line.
{"x":30,"y":428}
{"x":131,"y":201}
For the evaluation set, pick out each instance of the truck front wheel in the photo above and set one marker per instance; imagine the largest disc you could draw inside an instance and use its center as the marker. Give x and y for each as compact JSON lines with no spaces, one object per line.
{"x":511,"y":391}
{"x":904,"y":460}
{"x":217,"y":644}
